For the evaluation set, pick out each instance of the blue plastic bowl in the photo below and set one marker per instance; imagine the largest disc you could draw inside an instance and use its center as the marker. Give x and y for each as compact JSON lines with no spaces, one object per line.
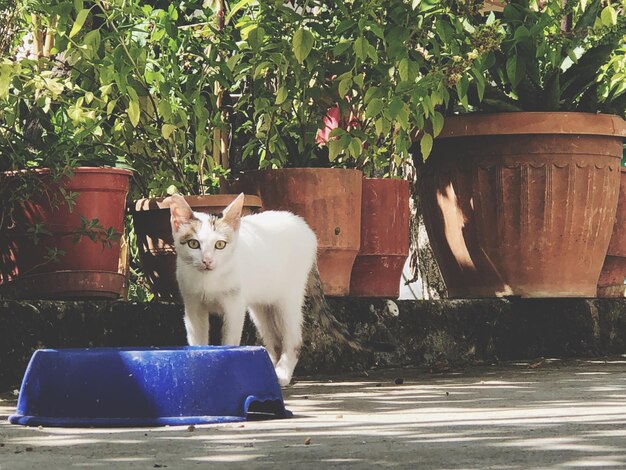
{"x":115,"y":387}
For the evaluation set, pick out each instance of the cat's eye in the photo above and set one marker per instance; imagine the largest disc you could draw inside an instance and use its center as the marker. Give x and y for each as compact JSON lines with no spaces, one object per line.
{"x":193,"y":244}
{"x":220,"y":244}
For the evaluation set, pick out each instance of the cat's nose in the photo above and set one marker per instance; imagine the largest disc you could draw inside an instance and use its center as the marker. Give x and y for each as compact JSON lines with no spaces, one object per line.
{"x":208,"y":264}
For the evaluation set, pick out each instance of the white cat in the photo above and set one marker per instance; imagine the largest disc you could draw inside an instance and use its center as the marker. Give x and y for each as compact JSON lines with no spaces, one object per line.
{"x":232,"y":263}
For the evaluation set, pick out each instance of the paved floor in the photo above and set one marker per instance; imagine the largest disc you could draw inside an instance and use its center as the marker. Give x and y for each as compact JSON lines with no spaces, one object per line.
{"x":549,"y":414}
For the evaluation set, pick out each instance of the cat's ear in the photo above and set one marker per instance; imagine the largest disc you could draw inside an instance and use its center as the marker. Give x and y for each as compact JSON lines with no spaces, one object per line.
{"x":180,"y":212}
{"x":232,"y":214}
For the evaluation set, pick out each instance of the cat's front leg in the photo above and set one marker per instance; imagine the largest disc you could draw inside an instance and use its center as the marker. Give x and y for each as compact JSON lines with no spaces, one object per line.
{"x":234,"y":310}
{"x":196,"y":323}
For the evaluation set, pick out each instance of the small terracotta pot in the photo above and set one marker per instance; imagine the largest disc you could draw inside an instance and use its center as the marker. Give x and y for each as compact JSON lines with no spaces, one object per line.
{"x":329,"y":200}
{"x":155,"y":241}
{"x":88,"y":269}
{"x":378,"y":267}
{"x":522,"y":203}
{"x":611,"y":282}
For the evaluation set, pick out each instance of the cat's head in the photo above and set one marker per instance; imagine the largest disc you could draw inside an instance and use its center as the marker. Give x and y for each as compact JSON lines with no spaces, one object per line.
{"x":204,"y":241}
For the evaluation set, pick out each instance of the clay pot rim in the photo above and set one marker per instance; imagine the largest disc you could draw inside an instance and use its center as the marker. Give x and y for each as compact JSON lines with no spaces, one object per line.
{"x":533,"y":123}
{"x":382,"y":180}
{"x":78,"y":169}
{"x":302,"y":170}
{"x":206,"y":200}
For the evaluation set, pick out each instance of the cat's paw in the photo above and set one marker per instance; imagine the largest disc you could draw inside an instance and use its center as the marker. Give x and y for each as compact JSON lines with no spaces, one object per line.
{"x":283,"y":377}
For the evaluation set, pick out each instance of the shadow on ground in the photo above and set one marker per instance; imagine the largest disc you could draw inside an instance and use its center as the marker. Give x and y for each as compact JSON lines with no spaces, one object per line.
{"x":550,"y":414}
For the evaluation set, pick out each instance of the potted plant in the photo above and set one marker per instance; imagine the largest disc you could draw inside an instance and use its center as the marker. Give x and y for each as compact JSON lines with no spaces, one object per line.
{"x":152,"y":73}
{"x":520,"y":194}
{"x":282,"y":64}
{"x":341,"y":87}
{"x":63,"y":201}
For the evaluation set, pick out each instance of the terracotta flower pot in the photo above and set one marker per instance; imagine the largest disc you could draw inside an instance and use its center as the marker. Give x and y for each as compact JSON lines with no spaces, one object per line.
{"x":329,"y":200}
{"x":155,"y":242}
{"x":378,"y":267}
{"x":522,"y":203}
{"x":611,"y":282}
{"x":88,"y":269}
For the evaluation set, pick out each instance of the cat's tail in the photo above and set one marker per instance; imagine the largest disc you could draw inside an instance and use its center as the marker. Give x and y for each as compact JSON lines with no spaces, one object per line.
{"x":320,"y":310}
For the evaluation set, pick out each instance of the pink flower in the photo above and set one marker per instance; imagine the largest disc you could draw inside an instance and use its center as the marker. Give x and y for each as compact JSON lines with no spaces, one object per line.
{"x":333,"y":120}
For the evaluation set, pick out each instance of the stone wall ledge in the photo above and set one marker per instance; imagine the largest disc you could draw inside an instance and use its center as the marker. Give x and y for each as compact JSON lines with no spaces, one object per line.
{"x":350,"y":335}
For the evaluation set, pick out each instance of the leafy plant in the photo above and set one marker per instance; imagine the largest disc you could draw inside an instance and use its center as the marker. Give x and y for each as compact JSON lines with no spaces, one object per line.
{"x":366,"y":73}
{"x":396,"y":63}
{"x":555,"y":56}
{"x":124,"y":84}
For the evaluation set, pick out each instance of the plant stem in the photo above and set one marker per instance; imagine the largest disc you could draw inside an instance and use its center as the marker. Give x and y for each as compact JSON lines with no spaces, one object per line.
{"x":49,"y":42}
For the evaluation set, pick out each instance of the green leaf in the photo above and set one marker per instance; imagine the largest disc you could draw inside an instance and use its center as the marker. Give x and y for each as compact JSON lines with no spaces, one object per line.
{"x":437,"y":122}
{"x":395,"y":107}
{"x":377,"y":30}
{"x":403,"y":69}
{"x":403,"y":116}
{"x":426,"y":145}
{"x":232,"y":61}
{"x":165,"y":109}
{"x":54,"y":86}
{"x":521,"y":33}
{"x":379,"y":126}
{"x":256,"y":37}
{"x":371,"y":92}
{"x":6,"y":74}
{"x":360,"y":48}
{"x":334,"y":150}
{"x":515,"y":70}
{"x":281,"y":95}
{"x":480,"y":83}
{"x":374,"y":108}
{"x":589,"y":16}
{"x":371,"y":52}
{"x":80,"y":21}
{"x":344,"y":86}
{"x":93,"y":38}
{"x":302,"y":44}
{"x":111,"y":106}
{"x":408,"y":70}
{"x":609,"y":16}
{"x":167,"y":130}
{"x":342,"y":47}
{"x":201,"y":141}
{"x":134,"y":112}
{"x":355,"y":147}
{"x":238,"y":6}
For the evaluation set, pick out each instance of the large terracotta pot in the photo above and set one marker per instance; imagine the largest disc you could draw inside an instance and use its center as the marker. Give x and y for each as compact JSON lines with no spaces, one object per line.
{"x":88,"y":268}
{"x":155,"y":241}
{"x":329,"y":200}
{"x":378,"y":267}
{"x":522,"y":203}
{"x":611,"y":282}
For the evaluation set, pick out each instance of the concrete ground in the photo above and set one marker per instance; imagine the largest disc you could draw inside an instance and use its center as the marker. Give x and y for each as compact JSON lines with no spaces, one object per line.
{"x":546,"y":414}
